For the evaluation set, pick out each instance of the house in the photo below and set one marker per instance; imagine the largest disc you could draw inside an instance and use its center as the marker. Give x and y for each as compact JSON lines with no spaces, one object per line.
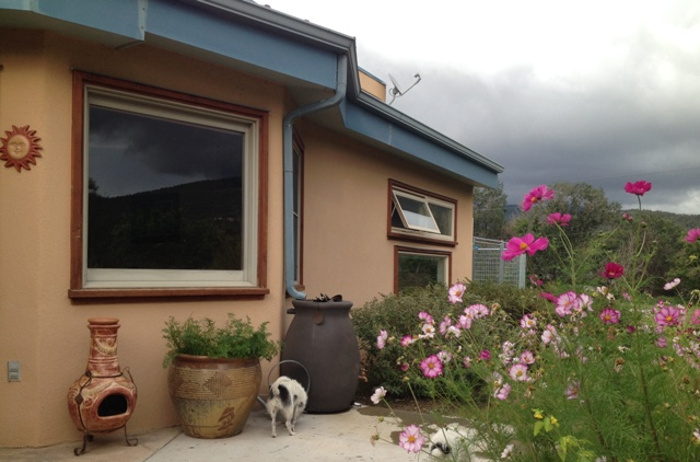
{"x":198,"y":157}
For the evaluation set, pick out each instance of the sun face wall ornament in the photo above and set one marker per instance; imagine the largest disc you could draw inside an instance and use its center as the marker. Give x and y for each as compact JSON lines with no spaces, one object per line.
{"x":20,"y":147}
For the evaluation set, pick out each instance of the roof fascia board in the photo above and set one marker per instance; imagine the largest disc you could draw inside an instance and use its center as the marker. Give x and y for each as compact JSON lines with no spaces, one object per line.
{"x":125,"y":18}
{"x":421,"y":148}
{"x":180,"y":22}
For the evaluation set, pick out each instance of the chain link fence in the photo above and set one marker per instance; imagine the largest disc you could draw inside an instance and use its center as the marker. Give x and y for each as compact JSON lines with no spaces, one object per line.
{"x":489,"y":266}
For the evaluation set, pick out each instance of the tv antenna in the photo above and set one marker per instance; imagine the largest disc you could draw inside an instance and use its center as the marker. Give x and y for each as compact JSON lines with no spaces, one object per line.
{"x":398,"y":90}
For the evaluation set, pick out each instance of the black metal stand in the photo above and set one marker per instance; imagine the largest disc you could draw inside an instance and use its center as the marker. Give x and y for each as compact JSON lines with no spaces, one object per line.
{"x":88,"y":437}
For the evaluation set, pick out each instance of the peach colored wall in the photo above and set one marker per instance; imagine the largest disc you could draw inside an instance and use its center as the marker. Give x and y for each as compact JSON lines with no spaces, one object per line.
{"x":345,"y":189}
{"x":39,"y":325}
{"x":346,"y":248}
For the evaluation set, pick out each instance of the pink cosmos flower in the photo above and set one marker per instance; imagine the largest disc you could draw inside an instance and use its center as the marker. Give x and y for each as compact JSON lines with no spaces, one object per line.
{"x":638,"y":187}
{"x":528,"y":322}
{"x":561,"y":219}
{"x":428,"y":330}
{"x":431,"y":366}
{"x":547,"y":296}
{"x":519,"y":372}
{"x":381,"y":339}
{"x":485,"y":355}
{"x":540,"y":193}
{"x":411,"y":439}
{"x":456,"y":292}
{"x":668,"y":316}
{"x":661,"y":342}
{"x":527,"y":357}
{"x":446,"y":322}
{"x":424,"y":316}
{"x":502,"y":392}
{"x":670,"y":285}
{"x":610,"y":316}
{"x":407,"y":340}
{"x":693,"y":235}
{"x":612,"y":271}
{"x":627,"y":217}
{"x":520,"y":245}
{"x":695,"y":318}
{"x":467,"y":361}
{"x":573,"y":390}
{"x":477,"y":310}
{"x":535,"y":281}
{"x":565,"y":303}
{"x":378,"y":395}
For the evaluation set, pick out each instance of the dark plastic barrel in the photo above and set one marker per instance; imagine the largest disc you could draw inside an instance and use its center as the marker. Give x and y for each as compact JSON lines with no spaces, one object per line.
{"x":322,"y":339}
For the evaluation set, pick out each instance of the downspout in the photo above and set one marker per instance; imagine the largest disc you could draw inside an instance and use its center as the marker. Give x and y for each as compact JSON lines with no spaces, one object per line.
{"x":340,"y":90}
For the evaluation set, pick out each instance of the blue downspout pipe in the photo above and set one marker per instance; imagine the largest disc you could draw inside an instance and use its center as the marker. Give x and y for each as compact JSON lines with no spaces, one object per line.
{"x":340,"y":91}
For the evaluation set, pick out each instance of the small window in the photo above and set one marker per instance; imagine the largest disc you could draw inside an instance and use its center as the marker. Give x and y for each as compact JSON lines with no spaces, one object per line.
{"x":419,"y":215}
{"x":420,"y":268}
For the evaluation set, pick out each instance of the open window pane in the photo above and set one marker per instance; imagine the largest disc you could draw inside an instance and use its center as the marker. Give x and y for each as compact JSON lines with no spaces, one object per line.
{"x":415,"y":213}
{"x":420,"y":215}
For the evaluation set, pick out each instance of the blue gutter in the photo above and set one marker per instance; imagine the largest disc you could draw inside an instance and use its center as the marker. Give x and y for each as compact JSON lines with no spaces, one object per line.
{"x":288,"y":153}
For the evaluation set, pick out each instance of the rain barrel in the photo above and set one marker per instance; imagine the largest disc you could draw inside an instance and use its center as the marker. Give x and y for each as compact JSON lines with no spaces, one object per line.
{"x":322,"y":339}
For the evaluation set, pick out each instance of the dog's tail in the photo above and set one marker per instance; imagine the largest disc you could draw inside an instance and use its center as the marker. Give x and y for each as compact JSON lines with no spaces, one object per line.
{"x":281,"y":391}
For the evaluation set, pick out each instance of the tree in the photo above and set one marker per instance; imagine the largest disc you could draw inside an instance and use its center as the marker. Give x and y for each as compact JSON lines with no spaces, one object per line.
{"x":490,"y":212}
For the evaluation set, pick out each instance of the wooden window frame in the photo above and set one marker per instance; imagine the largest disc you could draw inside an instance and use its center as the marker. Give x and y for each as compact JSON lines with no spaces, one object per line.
{"x":399,"y":249}
{"x":77,"y":291}
{"x":413,"y":235}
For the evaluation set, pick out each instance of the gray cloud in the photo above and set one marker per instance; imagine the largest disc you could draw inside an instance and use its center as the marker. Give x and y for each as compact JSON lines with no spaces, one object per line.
{"x":635,"y":119}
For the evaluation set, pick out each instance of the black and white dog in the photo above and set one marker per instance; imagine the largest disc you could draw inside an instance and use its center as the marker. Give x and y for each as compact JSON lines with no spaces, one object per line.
{"x":288,"y":399}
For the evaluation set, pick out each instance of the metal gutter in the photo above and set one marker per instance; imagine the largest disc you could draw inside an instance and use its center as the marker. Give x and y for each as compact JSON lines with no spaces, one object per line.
{"x":287,"y":127}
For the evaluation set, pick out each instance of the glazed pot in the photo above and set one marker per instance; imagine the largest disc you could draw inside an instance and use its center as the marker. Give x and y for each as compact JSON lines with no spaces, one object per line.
{"x":213,"y":397}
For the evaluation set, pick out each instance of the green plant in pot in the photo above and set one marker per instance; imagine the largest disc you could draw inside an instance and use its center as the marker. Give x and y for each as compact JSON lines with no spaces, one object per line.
{"x":214,"y":372}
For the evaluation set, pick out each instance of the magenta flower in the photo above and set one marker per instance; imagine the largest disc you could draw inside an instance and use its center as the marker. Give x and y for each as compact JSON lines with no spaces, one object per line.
{"x":547,"y":296}
{"x":456,"y":292}
{"x":520,"y":245}
{"x":695,"y":318}
{"x":407,"y":340}
{"x":693,"y":235}
{"x":485,"y":355}
{"x":431,"y":366}
{"x":411,"y":439}
{"x":540,"y":193}
{"x":638,"y":187}
{"x":535,"y":281}
{"x":610,"y":316}
{"x":668,"y":316}
{"x":561,"y":219}
{"x":612,"y":271}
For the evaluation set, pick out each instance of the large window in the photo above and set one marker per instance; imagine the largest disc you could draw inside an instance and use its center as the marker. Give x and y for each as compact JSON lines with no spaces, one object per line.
{"x":167,"y":193}
{"x":419,"y":215}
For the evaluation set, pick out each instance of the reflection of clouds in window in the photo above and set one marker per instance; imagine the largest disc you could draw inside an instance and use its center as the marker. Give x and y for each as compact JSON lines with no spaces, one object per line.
{"x":132,"y":153}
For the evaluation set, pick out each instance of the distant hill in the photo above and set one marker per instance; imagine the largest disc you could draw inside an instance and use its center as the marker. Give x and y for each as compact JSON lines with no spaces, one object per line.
{"x":684,"y":220}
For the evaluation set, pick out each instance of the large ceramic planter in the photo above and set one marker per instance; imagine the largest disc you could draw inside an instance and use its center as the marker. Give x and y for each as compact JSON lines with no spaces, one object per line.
{"x":213,"y":397}
{"x":321,"y":337}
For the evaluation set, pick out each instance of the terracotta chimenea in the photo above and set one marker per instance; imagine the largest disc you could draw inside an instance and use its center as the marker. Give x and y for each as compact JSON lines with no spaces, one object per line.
{"x":103,"y":399}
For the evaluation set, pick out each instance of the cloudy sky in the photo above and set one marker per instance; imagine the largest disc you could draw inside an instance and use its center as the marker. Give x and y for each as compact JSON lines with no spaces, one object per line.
{"x":601,"y":92}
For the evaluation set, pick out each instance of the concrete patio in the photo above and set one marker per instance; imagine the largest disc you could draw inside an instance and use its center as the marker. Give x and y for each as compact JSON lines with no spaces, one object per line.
{"x":320,"y":437}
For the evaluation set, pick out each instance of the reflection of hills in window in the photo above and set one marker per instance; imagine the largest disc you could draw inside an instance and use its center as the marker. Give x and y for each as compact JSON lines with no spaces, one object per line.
{"x":164,"y":193}
{"x":191,"y":226}
{"x":132,"y":153}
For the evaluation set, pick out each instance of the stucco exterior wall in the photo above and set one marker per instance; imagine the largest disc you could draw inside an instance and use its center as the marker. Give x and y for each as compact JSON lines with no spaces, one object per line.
{"x":39,"y":325}
{"x":346,"y":249}
{"x":346,"y":196}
